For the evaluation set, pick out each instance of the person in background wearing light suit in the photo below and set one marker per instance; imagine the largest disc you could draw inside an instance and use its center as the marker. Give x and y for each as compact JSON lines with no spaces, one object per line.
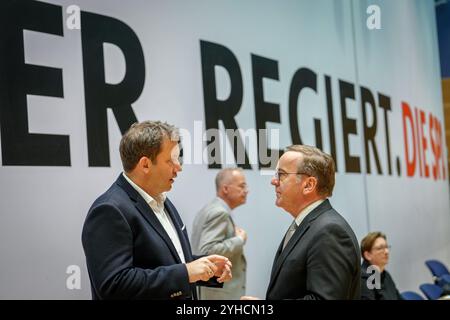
{"x":319,"y":256}
{"x":214,"y":232}
{"x":135,"y":242}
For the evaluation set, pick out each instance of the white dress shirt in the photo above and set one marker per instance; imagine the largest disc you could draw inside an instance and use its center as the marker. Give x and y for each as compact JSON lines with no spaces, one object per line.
{"x":302,"y":215}
{"x":157,"y":205}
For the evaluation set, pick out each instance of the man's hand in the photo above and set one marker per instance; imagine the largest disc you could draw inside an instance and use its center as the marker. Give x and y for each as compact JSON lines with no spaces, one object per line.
{"x":223,"y":265}
{"x":201,"y":269}
{"x":241,"y":233}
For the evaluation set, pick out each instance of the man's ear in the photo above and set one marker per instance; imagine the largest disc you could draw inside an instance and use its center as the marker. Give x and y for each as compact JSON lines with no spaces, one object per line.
{"x":310,"y":185}
{"x":145,"y":164}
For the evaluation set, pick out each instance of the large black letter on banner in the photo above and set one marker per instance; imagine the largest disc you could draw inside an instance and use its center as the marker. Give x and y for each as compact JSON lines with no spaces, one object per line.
{"x":217,"y":55}
{"x":17,"y":79}
{"x":370,"y":132}
{"x":264,"y":68}
{"x":347,"y":91}
{"x":303,"y":78}
{"x":96,"y":30}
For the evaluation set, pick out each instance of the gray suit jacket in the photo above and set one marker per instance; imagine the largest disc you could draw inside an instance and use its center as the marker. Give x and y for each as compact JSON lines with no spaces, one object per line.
{"x":321,"y":261}
{"x":213,"y":233}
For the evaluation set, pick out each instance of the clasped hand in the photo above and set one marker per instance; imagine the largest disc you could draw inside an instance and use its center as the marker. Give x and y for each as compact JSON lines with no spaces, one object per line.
{"x":210,"y":266}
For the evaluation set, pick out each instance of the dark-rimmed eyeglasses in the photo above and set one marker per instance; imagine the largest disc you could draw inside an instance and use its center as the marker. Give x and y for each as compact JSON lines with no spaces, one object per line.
{"x":380,"y":248}
{"x":281,"y":175}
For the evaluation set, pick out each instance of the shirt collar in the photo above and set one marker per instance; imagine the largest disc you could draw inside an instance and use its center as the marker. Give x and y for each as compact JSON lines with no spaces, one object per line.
{"x":302,"y":215}
{"x":223,"y":203}
{"x":159,"y":201}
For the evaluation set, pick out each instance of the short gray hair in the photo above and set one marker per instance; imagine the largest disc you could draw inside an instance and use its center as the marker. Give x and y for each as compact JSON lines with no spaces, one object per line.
{"x":223,"y":176}
{"x":145,"y":139}
{"x":318,"y":164}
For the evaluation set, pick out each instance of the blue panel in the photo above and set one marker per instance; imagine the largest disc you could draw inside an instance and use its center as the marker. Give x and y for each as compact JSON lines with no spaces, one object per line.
{"x":443,"y":28}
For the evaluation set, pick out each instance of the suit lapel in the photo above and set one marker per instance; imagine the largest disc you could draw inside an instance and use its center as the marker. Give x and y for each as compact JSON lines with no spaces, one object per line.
{"x":182,"y":235}
{"x":281,"y":255}
{"x":148,"y":214}
{"x":277,"y":255}
{"x":172,"y":212}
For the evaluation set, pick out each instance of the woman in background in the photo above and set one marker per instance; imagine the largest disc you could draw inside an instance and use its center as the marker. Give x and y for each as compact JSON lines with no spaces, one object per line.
{"x":375,"y":254}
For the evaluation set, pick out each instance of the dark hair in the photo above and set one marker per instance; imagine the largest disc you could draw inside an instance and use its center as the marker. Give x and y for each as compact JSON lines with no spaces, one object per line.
{"x":144,"y":139}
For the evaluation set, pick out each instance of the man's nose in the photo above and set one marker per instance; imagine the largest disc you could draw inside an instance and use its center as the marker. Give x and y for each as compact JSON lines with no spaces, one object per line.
{"x":275,"y":181}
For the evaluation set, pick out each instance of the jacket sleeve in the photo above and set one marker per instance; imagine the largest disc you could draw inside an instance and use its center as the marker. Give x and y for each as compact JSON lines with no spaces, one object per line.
{"x":108,"y":244}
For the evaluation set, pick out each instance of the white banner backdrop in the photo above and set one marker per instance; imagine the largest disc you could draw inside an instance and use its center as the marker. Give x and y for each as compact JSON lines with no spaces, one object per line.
{"x":360,"y":81}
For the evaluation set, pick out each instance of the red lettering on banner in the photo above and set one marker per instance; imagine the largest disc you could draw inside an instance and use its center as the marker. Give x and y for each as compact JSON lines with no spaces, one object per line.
{"x":419,"y":143}
{"x":419,"y":155}
{"x":407,"y":116}
{"x":424,"y":144}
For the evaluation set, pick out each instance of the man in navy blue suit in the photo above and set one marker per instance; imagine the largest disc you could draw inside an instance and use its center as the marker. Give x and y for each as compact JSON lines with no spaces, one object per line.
{"x":135,"y":242}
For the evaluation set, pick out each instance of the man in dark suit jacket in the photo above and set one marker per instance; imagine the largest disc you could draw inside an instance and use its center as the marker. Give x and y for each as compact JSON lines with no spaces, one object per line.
{"x":319,"y":256}
{"x":135,"y":242}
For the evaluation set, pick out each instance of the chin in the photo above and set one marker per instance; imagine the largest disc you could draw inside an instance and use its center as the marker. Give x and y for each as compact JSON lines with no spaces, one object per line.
{"x":278,"y":203}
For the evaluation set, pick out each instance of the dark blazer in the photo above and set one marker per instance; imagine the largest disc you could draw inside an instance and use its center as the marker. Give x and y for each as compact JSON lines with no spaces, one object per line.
{"x":387,"y":290}
{"x":128,"y":253}
{"x":321,"y":261}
